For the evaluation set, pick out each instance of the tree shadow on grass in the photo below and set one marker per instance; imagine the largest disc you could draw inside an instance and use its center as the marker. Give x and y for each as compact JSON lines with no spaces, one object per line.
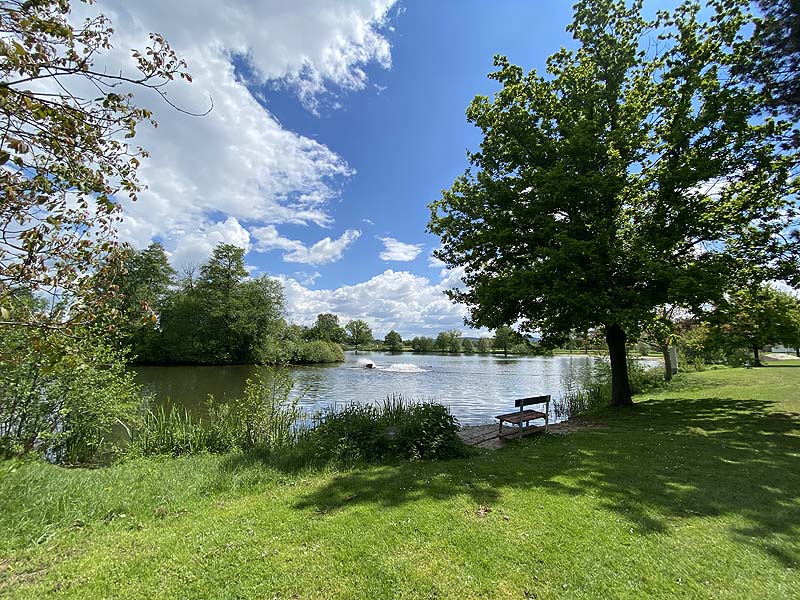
{"x":660,"y":462}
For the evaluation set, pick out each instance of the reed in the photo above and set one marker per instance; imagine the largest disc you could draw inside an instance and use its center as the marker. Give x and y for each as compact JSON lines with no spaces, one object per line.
{"x":171,"y":431}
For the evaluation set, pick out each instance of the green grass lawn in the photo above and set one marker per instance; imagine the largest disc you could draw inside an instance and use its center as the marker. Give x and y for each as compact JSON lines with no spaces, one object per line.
{"x":692,"y":493}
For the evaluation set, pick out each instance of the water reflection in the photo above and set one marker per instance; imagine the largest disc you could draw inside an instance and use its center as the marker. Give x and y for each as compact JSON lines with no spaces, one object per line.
{"x":476,"y":388}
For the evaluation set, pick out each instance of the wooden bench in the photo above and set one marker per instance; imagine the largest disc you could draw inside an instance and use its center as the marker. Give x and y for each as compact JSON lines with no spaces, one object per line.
{"x":525,"y":416}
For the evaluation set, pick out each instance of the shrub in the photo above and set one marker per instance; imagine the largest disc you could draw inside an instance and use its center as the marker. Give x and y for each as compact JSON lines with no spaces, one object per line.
{"x":395,"y":429}
{"x":62,"y":395}
{"x":643,"y":379}
{"x":317,"y":351}
{"x":577,"y":401}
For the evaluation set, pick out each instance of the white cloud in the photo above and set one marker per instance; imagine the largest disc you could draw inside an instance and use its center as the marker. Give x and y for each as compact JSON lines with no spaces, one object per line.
{"x":399,"y":251}
{"x":238,"y":161}
{"x":434,"y":262}
{"x":196,"y":245}
{"x":307,"y":278}
{"x":324,"y":251}
{"x":399,"y":300}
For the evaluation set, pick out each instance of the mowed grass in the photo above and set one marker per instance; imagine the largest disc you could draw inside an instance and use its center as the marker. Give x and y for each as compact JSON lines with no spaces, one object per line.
{"x":691,"y":493}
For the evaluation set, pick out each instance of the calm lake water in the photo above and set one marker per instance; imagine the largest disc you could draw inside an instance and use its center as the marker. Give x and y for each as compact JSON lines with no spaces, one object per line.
{"x":476,"y":388}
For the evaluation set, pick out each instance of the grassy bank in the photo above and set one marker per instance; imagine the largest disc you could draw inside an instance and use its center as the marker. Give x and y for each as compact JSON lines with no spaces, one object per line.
{"x":694,"y":492}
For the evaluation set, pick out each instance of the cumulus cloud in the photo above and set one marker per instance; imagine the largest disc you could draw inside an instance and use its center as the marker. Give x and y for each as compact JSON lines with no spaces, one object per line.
{"x":238,"y":161}
{"x":326,"y":250}
{"x":434,"y":262}
{"x":199,"y":243}
{"x":307,"y":278}
{"x":399,"y":251}
{"x":399,"y":300}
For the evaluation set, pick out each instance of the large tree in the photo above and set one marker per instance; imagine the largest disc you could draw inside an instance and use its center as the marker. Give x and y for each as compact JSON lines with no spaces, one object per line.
{"x":66,"y":162}
{"x":143,"y":290}
{"x":327,"y":329}
{"x":359,"y":333}
{"x":393,"y":341}
{"x":631,"y":176}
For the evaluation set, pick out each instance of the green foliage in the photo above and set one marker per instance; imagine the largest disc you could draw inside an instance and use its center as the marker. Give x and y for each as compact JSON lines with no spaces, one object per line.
{"x":64,"y":154}
{"x":317,"y":352}
{"x":591,"y":389}
{"x":449,"y":341}
{"x":62,"y":395}
{"x":521,"y":349}
{"x":589,"y":202}
{"x":263,"y":418}
{"x":218,"y":317}
{"x":645,"y":379}
{"x":393,"y":342}
{"x":395,"y":429}
{"x":468,"y":347}
{"x":776,"y":61}
{"x":754,"y":317}
{"x":358,"y":333}
{"x":143,"y":290}
{"x":327,"y":329}
{"x":504,"y":338}
{"x":484,"y":345}
{"x":423,"y":344}
{"x":173,"y":431}
{"x":581,"y":401}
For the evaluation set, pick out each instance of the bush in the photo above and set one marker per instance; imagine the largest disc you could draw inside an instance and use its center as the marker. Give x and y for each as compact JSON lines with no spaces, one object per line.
{"x":62,"y":395}
{"x":395,"y":429}
{"x":521,"y":349}
{"x":643,"y":379}
{"x":317,"y":352}
{"x":577,"y":401}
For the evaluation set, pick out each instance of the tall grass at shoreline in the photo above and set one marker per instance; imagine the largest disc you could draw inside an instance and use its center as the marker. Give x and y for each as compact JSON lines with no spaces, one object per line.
{"x":590,"y":390}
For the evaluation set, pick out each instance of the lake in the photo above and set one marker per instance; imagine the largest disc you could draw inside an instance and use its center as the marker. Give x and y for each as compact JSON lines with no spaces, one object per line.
{"x":476,"y":388}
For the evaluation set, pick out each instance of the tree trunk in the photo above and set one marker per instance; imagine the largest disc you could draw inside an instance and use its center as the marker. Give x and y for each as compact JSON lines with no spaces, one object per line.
{"x":797,"y":352}
{"x":667,"y":362}
{"x":756,"y":361}
{"x":620,"y":385}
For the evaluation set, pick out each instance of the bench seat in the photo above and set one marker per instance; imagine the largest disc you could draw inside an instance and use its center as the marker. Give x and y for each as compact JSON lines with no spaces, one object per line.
{"x":521,"y":417}
{"x":525,"y":416}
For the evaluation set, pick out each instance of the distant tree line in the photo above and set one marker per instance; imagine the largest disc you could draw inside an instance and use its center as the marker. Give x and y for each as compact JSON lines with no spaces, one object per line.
{"x":505,"y":340}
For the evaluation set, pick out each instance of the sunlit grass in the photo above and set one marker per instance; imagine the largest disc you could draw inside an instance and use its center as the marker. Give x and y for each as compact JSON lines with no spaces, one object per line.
{"x":695,"y":493}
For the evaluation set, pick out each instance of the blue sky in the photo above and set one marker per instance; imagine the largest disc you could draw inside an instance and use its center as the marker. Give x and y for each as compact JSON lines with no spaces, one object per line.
{"x":406,"y":134}
{"x":335,"y":123}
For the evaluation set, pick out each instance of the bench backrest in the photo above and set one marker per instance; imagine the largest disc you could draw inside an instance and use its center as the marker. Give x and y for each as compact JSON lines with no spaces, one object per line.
{"x":532,"y":400}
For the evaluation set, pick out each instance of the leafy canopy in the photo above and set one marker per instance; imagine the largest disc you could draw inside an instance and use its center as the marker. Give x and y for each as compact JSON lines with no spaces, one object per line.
{"x":640,"y":171}
{"x":65,"y":153}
